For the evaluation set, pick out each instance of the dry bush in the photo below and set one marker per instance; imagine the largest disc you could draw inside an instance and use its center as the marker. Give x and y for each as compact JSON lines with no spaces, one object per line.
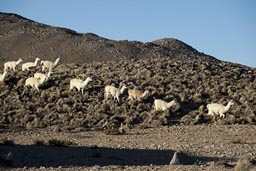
{"x":5,"y":141}
{"x":243,"y":165}
{"x":193,"y":83}
{"x":60,"y":143}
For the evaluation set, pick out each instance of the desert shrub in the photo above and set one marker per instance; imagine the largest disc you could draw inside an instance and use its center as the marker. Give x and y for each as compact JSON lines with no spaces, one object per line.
{"x":242,"y":165}
{"x":39,"y":142}
{"x":238,"y":141}
{"x":114,"y":131}
{"x":6,"y":141}
{"x":193,"y":83}
{"x":60,"y":143}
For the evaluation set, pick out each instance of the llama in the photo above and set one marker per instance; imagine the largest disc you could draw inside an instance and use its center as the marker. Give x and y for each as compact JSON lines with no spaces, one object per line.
{"x":28,"y":65}
{"x":219,"y":109}
{"x":12,"y":64}
{"x":2,"y":76}
{"x":162,"y":105}
{"x":34,"y":82}
{"x":39,"y":75}
{"x":79,"y":84}
{"x":46,"y":65}
{"x":115,"y":92}
{"x":137,"y":95}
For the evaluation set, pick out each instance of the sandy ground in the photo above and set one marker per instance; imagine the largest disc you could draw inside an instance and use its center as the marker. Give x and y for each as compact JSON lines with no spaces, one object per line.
{"x":200,"y":147}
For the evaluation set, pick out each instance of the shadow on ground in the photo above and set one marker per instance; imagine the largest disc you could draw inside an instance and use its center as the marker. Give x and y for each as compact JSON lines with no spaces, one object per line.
{"x":41,"y":155}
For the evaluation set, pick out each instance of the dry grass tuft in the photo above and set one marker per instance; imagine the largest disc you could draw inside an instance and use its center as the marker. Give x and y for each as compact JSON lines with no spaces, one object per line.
{"x":114,"y":131}
{"x":238,"y":141}
{"x":56,"y":142}
{"x":243,"y":165}
{"x":61,"y":143}
{"x":6,"y":141}
{"x":193,"y":83}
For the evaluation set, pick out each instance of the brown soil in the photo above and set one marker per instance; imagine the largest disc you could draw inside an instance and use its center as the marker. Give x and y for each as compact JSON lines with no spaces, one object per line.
{"x":201,"y":147}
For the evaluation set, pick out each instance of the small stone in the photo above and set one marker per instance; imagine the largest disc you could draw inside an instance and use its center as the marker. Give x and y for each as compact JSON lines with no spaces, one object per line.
{"x":175,"y":159}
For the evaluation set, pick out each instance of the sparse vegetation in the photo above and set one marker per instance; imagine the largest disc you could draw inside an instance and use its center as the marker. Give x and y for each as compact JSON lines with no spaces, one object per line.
{"x":193,"y":89}
{"x":243,"y":165}
{"x":6,"y":141}
{"x":167,"y":68}
{"x":39,"y":142}
{"x":113,"y":131}
{"x":56,"y":142}
{"x":60,"y":143}
{"x":239,"y":141}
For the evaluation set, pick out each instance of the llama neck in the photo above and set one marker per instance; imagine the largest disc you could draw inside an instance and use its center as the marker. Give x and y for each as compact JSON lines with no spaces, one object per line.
{"x":49,"y":73}
{"x":144,"y":94}
{"x":56,"y":62}
{"x":36,"y":62}
{"x":122,"y":90}
{"x":4,"y":74}
{"x":170,"y":104}
{"x":228,"y":106}
{"x":17,"y":62}
{"x":86,"y":81}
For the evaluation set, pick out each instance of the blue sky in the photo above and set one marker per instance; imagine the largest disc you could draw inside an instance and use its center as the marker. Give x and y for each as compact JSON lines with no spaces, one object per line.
{"x":225,"y":29}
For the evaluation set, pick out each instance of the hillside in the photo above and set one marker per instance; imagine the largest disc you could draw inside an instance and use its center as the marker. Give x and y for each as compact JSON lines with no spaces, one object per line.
{"x":21,"y":37}
{"x":105,"y":135}
{"x":193,"y":84}
{"x":167,"y":68}
{"x":56,"y":128}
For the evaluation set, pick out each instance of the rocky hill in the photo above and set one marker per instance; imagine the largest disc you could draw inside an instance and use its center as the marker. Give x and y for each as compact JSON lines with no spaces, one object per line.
{"x":38,"y":128}
{"x":168,"y":68}
{"x":193,"y":84}
{"x":21,"y":37}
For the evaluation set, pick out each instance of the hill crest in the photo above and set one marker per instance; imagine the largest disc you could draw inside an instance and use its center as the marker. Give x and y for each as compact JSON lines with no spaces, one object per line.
{"x":25,"y":38}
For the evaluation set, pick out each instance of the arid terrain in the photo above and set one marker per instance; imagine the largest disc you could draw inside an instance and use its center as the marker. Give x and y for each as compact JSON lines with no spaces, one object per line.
{"x":201,"y":147}
{"x":60,"y":129}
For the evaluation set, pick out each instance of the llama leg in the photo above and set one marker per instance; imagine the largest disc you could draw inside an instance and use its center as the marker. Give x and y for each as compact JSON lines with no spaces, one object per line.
{"x":117,"y":98}
{"x":71,"y":87}
{"x":222,"y":115}
{"x":37,"y":88}
{"x":129,"y":98}
{"x":210,"y":113}
{"x":78,"y":89}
